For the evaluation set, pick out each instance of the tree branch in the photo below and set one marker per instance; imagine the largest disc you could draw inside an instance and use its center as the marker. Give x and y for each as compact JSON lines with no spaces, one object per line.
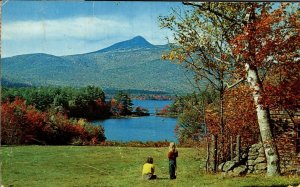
{"x":235,"y":84}
{"x":195,"y":86}
{"x":201,"y":7}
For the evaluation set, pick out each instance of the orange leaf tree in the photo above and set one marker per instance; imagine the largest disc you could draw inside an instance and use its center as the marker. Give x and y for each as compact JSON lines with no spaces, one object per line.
{"x":270,"y":41}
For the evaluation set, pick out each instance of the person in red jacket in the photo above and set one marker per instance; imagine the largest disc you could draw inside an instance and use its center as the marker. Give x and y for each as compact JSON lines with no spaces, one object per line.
{"x":172,"y":155}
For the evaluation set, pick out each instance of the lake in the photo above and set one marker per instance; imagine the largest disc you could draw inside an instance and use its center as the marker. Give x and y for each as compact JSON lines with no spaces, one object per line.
{"x":147,"y":128}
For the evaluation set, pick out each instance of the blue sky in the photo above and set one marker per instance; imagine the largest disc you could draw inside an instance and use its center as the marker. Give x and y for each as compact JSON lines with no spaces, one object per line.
{"x":72,"y":27}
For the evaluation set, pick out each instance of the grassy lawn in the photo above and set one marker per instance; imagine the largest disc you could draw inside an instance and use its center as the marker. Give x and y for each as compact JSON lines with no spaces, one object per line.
{"x":113,"y":166}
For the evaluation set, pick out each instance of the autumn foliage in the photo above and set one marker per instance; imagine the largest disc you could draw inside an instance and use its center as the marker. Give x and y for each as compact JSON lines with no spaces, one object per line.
{"x":22,"y":124}
{"x":239,"y":117}
{"x":271,"y":43}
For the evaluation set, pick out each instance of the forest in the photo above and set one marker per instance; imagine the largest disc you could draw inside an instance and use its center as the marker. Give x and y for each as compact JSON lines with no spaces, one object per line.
{"x":56,"y":115}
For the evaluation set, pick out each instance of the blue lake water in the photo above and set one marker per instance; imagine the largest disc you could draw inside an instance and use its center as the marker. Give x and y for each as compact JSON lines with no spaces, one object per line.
{"x":148,"y":128}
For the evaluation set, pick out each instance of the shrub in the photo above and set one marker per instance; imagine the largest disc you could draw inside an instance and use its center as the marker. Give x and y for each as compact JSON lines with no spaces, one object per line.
{"x":22,"y":124}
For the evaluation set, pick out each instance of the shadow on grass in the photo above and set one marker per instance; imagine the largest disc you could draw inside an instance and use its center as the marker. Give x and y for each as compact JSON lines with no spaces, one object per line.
{"x":162,"y":178}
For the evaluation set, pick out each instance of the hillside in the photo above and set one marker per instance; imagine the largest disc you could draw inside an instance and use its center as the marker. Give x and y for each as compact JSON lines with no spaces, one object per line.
{"x":133,"y":64}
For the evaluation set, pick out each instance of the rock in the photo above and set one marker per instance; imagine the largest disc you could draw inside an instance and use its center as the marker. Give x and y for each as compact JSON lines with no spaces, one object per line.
{"x":252,"y":150}
{"x":289,"y":169}
{"x":251,"y":168}
{"x":240,"y":170}
{"x":253,"y":153}
{"x":259,"y":160}
{"x":261,"y":166}
{"x":252,"y":157}
{"x":229,"y":165}
{"x":259,"y":144}
{"x":220,"y":167}
{"x":259,"y":171}
{"x":236,"y":159}
{"x":250,"y":163}
{"x":261,"y":150}
{"x":256,"y":147}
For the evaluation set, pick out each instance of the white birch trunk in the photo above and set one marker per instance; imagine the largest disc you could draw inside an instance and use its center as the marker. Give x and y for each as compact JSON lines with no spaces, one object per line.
{"x":273,"y":167}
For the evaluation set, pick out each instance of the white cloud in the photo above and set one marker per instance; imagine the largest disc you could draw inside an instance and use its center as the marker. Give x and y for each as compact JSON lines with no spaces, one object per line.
{"x":76,"y":35}
{"x":79,"y":28}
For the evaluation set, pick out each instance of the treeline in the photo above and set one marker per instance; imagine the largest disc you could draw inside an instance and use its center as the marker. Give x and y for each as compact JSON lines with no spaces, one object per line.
{"x":58,"y":116}
{"x":154,"y":97}
{"x":135,"y":92}
{"x":87,"y":102}
{"x":74,"y":102}
{"x":142,"y":94}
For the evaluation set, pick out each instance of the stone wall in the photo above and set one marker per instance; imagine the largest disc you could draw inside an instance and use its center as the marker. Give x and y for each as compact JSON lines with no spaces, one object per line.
{"x":286,"y":131}
{"x":254,"y":161}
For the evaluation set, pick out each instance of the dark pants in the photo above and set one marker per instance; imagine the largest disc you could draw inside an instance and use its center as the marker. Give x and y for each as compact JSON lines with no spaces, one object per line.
{"x":149,"y":176}
{"x":172,"y":169}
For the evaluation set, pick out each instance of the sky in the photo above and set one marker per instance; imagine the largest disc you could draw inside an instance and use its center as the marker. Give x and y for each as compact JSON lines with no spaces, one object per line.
{"x":75,"y":27}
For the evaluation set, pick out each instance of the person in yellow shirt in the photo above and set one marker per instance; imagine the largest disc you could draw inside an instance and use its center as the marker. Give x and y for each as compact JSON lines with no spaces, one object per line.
{"x":148,"y":169}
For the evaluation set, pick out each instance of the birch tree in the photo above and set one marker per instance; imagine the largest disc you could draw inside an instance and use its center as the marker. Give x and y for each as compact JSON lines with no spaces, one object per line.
{"x":268,"y":36}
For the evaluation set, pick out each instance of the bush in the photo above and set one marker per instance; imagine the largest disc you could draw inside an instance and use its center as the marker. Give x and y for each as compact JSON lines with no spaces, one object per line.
{"x":22,"y":124}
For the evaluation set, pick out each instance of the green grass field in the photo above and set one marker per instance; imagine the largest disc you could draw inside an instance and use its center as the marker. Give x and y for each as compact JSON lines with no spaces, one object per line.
{"x":44,"y":166}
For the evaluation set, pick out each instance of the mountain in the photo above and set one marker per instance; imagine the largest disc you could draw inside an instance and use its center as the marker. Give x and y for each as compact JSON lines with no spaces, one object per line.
{"x":133,"y":64}
{"x":38,"y":69}
{"x":137,"y":42}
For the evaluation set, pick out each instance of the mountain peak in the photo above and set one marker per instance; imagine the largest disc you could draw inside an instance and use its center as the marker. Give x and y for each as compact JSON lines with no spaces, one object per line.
{"x":137,"y":42}
{"x":138,"y":38}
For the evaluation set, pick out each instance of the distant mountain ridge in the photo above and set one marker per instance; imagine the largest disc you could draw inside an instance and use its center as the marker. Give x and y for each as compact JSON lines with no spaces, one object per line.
{"x":137,"y":42}
{"x":133,"y":64}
